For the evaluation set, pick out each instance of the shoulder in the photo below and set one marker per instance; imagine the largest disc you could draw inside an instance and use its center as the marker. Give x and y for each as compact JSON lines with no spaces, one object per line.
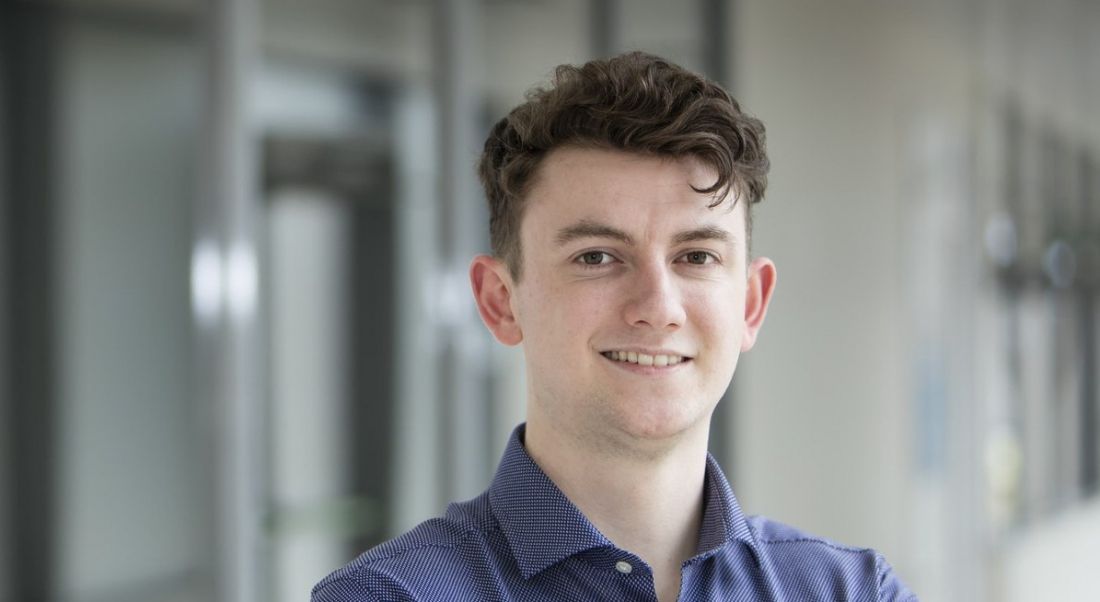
{"x":441,"y":553}
{"x":773,"y":533}
{"x":804,"y":565}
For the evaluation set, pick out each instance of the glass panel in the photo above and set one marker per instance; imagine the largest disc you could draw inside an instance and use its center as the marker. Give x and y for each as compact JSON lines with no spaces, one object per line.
{"x":130,"y":487}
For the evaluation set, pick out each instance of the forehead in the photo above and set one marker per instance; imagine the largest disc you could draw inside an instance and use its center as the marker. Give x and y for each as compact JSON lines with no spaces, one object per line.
{"x":641,"y":193}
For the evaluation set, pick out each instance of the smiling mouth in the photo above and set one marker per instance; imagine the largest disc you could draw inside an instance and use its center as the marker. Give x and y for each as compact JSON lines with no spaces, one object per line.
{"x":645,"y":359}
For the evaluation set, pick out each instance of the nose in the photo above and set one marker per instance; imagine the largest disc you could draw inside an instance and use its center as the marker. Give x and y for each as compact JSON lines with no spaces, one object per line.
{"x":654,"y":300}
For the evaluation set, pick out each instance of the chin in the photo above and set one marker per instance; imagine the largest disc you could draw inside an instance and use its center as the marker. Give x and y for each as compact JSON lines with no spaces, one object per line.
{"x":658,"y":422}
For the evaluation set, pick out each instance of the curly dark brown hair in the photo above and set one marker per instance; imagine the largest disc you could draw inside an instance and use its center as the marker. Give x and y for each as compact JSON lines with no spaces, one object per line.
{"x":634,"y":102}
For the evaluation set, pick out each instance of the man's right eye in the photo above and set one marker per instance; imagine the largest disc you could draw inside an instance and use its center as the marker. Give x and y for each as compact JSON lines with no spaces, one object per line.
{"x":595,"y":258}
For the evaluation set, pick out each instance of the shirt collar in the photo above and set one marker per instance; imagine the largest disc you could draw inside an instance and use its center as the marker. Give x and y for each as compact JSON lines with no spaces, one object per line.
{"x":723,"y":519}
{"x":543,"y":527}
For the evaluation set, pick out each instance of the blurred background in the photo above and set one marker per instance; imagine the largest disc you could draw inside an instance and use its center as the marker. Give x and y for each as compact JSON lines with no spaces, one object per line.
{"x":237,"y":345}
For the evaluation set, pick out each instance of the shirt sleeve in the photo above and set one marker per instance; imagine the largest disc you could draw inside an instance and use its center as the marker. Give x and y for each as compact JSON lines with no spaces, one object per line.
{"x":342,"y":590}
{"x":890,"y":587}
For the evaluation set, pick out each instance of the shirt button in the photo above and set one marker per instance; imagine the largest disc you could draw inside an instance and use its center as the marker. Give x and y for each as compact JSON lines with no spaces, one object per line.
{"x":623,"y":567}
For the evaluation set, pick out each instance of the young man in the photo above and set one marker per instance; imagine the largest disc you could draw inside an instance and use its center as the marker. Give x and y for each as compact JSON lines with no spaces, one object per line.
{"x":620,"y":217}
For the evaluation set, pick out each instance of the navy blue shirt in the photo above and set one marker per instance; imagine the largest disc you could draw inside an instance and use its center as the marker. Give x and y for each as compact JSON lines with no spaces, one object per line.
{"x":523,"y":540}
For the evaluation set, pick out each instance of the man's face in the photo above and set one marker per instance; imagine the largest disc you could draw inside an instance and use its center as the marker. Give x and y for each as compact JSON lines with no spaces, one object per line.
{"x":632,"y":302}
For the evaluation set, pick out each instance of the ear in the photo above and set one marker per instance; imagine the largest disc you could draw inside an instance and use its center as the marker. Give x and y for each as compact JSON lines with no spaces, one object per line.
{"x":758,"y":294}
{"x":492,"y":285}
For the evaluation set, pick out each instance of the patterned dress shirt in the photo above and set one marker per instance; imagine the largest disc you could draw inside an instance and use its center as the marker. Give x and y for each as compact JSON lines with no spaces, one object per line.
{"x":524,"y":541}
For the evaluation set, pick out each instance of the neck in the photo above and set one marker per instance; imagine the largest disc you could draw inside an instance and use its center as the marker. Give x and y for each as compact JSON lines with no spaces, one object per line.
{"x":650,"y":504}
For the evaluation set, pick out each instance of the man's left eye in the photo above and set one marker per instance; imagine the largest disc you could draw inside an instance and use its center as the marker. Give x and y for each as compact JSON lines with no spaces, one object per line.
{"x":698,"y":258}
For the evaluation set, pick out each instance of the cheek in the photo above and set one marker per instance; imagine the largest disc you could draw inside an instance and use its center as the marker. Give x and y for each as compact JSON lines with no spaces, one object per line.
{"x":580,"y":315}
{"x":557,"y":320}
{"x":718,"y":315}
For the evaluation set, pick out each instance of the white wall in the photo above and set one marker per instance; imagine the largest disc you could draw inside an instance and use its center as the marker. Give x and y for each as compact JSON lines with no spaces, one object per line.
{"x":1057,"y":562}
{"x":821,"y":398}
{"x":822,"y":432}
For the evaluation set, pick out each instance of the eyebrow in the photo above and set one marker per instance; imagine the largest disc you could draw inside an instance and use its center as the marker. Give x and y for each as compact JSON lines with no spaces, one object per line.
{"x":592,"y":229}
{"x":703,"y":233}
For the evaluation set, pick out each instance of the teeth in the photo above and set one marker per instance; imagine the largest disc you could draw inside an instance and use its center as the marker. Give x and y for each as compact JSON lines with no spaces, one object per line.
{"x":644,"y":359}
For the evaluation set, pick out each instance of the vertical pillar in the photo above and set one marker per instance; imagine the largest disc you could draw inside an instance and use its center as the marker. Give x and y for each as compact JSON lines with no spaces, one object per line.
{"x":7,"y":519}
{"x":716,"y":22}
{"x":29,"y":42}
{"x":1089,"y":275}
{"x":605,"y":28}
{"x":225,"y":285}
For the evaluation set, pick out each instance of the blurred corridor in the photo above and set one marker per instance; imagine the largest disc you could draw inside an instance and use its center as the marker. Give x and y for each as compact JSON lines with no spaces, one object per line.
{"x":233,"y":253}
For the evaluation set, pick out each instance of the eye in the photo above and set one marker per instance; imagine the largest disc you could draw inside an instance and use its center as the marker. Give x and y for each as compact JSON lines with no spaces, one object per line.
{"x":594,"y":258}
{"x":699,"y":257}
